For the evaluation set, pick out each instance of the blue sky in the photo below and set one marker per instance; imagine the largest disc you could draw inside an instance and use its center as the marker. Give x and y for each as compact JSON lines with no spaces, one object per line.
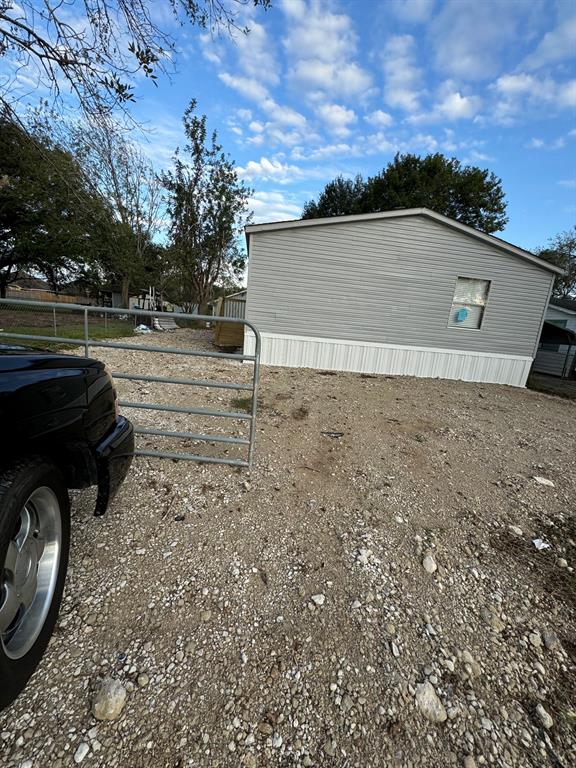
{"x":321,"y":87}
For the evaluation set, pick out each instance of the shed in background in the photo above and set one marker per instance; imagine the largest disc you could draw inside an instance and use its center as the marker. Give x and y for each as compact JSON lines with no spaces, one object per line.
{"x":229,"y":335}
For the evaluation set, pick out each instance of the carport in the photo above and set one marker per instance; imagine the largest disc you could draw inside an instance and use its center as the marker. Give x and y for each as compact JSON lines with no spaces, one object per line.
{"x":556,"y":354}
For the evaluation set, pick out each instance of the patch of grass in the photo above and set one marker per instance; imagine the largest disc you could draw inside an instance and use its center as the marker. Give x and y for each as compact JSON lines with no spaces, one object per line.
{"x":241,"y":404}
{"x":112,"y":330}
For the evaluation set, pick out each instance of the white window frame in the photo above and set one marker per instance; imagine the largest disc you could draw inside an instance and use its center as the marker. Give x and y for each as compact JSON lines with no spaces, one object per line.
{"x":484,"y":306}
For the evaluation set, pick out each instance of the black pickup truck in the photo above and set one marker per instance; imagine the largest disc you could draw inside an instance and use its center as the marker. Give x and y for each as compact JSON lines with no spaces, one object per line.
{"x":59,"y":429}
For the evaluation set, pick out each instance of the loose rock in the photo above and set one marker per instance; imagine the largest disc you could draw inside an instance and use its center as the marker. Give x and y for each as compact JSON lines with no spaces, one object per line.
{"x":429,"y":704}
{"x":545,"y":717}
{"x":81,"y":752}
{"x":318,"y":599}
{"x":109,"y":700}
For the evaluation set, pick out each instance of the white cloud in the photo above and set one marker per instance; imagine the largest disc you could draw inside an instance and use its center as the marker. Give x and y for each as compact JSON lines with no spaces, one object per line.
{"x":256,"y":127}
{"x":379,"y":118}
{"x":451,"y":106}
{"x":255,"y":55}
{"x":403,"y":79}
{"x":470,"y":37}
{"x":522,"y":91}
{"x":456,"y":107}
{"x":320,"y":46}
{"x":281,"y":117}
{"x":270,"y":170}
{"x":567,"y":94}
{"x":211,"y":50}
{"x":274,"y":206}
{"x":246,"y":86}
{"x":556,"y":45}
{"x":257,"y":140}
{"x":337,"y":118}
{"x":277,"y":135}
{"x":412,"y":11}
{"x":568,"y":183}
{"x":537,"y":143}
{"x":284,"y":115}
{"x":478,"y":157}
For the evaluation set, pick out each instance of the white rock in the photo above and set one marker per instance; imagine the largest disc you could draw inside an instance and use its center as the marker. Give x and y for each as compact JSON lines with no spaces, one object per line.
{"x":540,"y":544}
{"x":545,"y":717}
{"x":535,"y":639}
{"x":363,"y":556}
{"x":429,"y":564}
{"x":517,"y":532}
{"x":429,"y":704}
{"x":319,"y":599}
{"x":277,"y":741}
{"x":544,"y":481}
{"x":81,"y":752}
{"x":109,"y":700}
{"x":551,"y":640}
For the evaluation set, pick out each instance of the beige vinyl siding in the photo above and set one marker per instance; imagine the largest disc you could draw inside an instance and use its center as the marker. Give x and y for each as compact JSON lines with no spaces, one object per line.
{"x":391,"y":281}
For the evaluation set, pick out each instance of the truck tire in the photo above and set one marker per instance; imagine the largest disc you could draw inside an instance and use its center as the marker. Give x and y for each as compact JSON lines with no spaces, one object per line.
{"x":34,"y":546}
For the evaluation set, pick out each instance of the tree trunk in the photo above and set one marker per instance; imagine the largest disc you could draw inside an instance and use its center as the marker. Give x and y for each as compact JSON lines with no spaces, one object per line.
{"x":126,"y":292}
{"x":3,"y":287}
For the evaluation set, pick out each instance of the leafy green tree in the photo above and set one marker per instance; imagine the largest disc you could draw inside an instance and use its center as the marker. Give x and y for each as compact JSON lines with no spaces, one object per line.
{"x":338,"y":198}
{"x":96,"y":48}
{"x":561,"y":252}
{"x":466,"y":193}
{"x":207,"y":207}
{"x":50,"y":223}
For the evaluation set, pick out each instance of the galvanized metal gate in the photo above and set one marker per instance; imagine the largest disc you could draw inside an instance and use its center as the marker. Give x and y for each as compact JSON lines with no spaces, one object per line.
{"x":51,"y":319}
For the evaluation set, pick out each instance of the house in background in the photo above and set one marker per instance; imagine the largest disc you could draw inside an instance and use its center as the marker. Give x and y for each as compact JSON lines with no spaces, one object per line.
{"x":562,"y":312}
{"x":407,"y":292}
{"x":556,"y":355}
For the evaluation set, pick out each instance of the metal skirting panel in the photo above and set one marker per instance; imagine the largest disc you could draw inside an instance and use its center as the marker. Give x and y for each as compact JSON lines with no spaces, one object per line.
{"x":364,"y":357}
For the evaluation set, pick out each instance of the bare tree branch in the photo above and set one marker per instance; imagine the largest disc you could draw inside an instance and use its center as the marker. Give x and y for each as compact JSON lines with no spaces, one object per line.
{"x":95,"y":47}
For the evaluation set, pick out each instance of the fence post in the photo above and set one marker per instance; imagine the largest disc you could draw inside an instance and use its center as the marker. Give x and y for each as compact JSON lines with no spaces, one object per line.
{"x":255,"y":383}
{"x":54,"y":318}
{"x":566,"y":367}
{"x":86,"y":346}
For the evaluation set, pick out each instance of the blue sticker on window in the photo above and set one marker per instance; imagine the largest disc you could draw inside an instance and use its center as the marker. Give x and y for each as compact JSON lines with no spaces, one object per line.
{"x":461,"y":315}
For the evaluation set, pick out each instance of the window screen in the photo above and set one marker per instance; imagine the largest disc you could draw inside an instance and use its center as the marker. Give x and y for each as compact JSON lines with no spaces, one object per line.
{"x":470,"y":297}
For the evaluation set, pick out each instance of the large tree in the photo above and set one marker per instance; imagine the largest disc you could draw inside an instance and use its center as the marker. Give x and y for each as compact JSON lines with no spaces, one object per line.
{"x":50,"y":222}
{"x":466,"y":193}
{"x":338,"y":198}
{"x":118,"y":171}
{"x":95,"y":48}
{"x":207,"y":207}
{"x":561,"y":251}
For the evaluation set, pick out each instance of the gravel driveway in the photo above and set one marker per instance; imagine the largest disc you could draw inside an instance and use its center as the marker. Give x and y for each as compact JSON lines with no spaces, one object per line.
{"x":370,"y":598}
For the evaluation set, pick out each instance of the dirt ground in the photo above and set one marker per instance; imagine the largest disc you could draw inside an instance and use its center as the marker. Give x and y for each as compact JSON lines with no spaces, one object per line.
{"x":366,"y":599}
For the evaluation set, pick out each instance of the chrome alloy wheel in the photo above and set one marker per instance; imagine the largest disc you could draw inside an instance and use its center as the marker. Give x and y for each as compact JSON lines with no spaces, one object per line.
{"x":29,"y":573}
